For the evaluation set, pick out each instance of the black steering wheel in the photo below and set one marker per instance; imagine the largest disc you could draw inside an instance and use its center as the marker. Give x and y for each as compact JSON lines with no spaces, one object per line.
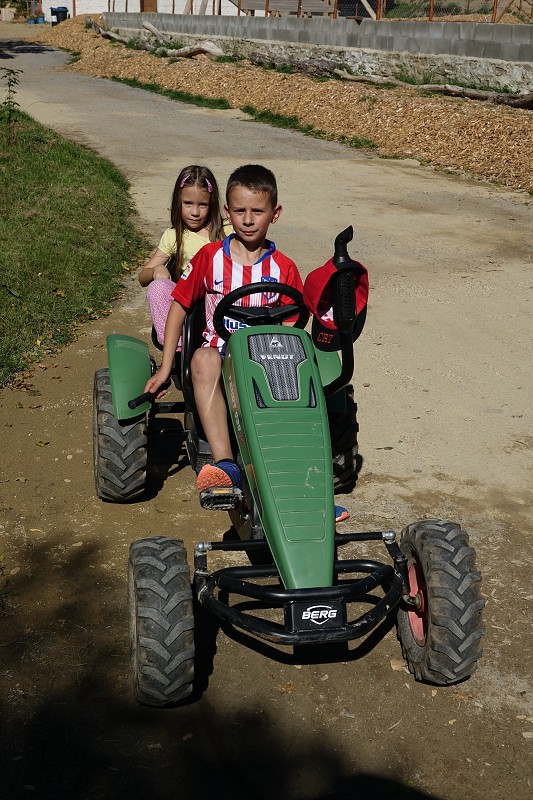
{"x":259,"y":315}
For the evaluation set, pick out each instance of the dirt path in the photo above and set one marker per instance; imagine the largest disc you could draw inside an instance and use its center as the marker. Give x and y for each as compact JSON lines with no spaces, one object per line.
{"x":444,"y":385}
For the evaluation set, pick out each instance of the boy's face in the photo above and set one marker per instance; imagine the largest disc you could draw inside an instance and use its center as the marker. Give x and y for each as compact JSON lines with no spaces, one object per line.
{"x":251,"y":214}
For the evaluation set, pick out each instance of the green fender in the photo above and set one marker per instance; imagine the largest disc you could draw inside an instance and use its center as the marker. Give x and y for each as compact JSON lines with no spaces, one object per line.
{"x":286,"y":450}
{"x":129,"y":369}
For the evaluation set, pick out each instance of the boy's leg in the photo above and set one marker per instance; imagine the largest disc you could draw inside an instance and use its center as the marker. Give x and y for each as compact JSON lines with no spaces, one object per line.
{"x":206,"y":366}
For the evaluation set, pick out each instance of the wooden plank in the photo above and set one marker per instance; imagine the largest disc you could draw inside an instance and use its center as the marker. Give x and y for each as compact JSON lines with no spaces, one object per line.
{"x":371,"y":12}
{"x":500,"y":10}
{"x":285,"y":6}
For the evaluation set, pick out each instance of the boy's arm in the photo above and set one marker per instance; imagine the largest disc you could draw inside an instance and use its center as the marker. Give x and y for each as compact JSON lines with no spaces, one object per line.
{"x":173,"y":328}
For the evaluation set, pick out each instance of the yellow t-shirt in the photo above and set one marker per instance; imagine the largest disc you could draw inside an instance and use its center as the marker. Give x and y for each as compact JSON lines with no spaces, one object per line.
{"x":191,"y":243}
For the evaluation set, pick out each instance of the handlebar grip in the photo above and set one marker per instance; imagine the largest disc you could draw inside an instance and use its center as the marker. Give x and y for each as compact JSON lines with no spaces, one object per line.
{"x":138,"y":401}
{"x":344,"y":313}
{"x":146,"y":397}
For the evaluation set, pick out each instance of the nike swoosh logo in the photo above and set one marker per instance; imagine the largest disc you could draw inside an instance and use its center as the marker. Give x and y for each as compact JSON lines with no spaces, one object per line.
{"x":217,"y":283}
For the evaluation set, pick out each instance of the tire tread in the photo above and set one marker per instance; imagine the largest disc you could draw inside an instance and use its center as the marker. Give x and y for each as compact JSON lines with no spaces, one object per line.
{"x":454,"y":625}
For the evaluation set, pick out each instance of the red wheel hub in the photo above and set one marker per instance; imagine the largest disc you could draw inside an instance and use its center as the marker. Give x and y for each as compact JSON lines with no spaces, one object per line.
{"x":418,"y":617}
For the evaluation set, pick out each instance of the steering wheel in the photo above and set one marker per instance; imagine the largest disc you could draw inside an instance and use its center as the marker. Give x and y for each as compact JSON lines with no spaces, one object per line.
{"x":259,"y":315}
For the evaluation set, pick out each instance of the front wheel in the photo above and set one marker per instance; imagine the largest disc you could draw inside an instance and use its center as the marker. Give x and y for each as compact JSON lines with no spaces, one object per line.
{"x":441,"y":639}
{"x":119,"y":448}
{"x":161,"y":621}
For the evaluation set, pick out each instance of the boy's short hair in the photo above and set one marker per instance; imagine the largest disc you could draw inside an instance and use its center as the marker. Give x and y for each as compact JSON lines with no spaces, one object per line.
{"x":256,"y":178}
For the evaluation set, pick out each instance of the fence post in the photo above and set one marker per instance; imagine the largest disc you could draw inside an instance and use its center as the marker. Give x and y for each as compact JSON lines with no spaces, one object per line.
{"x":378,"y":10}
{"x":494,"y":10}
{"x":431,"y":10}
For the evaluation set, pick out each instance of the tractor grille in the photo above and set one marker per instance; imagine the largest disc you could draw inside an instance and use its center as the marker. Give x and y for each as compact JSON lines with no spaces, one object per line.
{"x":279,"y":354}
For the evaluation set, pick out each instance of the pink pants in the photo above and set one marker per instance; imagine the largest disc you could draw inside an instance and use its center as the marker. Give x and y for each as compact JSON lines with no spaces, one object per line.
{"x":159,"y":299}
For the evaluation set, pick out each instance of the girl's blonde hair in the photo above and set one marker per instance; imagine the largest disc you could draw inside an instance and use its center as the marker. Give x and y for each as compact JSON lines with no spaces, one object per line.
{"x":203,"y":178}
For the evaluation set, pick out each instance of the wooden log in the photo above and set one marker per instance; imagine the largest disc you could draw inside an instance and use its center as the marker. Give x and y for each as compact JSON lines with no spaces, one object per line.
{"x":378,"y":80}
{"x":205,"y":48}
{"x":116,"y":38}
{"x":153,"y":30}
{"x":502,"y":98}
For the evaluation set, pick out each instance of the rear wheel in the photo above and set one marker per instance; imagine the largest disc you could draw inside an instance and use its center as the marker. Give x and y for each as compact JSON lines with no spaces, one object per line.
{"x":343,"y":429}
{"x":441,"y":639}
{"x":161,"y":621}
{"x":119,"y":448}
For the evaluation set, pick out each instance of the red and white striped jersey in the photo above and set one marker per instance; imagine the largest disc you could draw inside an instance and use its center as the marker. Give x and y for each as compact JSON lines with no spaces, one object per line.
{"x":212,"y":273}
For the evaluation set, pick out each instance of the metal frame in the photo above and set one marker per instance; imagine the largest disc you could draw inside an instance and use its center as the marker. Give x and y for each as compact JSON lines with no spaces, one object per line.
{"x":214,"y":589}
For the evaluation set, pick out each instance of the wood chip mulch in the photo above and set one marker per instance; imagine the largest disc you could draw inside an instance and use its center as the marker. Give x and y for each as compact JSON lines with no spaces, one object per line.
{"x":489,"y":142}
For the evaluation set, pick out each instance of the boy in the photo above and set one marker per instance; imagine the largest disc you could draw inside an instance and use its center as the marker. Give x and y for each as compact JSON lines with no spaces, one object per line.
{"x":244,"y":257}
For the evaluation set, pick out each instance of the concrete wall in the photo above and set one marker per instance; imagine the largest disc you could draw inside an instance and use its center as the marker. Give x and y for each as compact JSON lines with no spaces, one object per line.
{"x":475,"y":40}
{"x":500,"y":56}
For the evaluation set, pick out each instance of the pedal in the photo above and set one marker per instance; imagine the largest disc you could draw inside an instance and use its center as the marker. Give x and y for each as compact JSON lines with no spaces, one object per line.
{"x":220,"y":498}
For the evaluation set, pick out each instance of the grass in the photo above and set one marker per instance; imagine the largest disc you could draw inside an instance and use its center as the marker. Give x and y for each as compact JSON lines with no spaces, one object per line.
{"x":182,"y":97}
{"x":293,"y":123}
{"x":67,"y":231}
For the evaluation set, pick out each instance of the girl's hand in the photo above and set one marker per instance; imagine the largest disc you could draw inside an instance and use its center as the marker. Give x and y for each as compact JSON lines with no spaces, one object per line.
{"x":156,"y":381}
{"x":155,"y":268}
{"x":161,"y":272}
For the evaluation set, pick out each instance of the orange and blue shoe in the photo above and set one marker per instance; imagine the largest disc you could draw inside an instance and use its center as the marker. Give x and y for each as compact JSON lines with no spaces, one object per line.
{"x":219,"y":485}
{"x":341,"y":514}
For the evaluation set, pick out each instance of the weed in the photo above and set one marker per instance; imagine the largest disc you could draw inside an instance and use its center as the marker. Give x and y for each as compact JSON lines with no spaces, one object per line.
{"x":9,"y":109}
{"x":405,"y":77}
{"x":74,"y":56}
{"x":235,"y":49}
{"x":357,"y":142}
{"x":174,"y":60}
{"x":276,"y":120}
{"x":293,"y":123}
{"x":132,"y":44}
{"x":174,"y":94}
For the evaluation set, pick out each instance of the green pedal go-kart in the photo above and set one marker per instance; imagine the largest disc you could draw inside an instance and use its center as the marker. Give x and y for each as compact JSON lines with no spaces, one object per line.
{"x":283,"y":391}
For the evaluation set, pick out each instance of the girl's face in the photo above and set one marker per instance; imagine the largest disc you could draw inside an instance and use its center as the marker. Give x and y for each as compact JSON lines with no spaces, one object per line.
{"x":195,"y":205}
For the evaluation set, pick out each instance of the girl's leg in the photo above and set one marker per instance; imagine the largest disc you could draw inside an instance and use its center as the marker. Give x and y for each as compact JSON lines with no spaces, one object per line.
{"x":160,"y":300}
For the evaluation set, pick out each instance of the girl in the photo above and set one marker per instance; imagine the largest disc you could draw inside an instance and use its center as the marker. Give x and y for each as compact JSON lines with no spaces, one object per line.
{"x":196,"y":220}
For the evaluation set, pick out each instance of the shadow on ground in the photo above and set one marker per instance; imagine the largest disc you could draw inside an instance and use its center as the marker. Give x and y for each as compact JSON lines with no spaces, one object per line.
{"x":70,"y":727}
{"x":9,"y":48}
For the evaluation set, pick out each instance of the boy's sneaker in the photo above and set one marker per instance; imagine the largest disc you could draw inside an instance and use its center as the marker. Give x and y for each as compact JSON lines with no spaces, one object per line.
{"x":220,"y":485}
{"x":341,"y":514}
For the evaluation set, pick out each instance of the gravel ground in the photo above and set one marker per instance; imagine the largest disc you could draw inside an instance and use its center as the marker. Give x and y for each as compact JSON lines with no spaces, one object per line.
{"x":489,"y":142}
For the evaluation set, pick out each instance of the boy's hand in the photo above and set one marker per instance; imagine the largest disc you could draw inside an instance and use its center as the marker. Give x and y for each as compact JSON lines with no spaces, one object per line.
{"x":155,"y":383}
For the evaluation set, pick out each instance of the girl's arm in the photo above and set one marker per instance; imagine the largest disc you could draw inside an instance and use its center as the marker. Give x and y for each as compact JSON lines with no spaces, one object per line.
{"x":173,"y":328}
{"x":155,"y":268}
